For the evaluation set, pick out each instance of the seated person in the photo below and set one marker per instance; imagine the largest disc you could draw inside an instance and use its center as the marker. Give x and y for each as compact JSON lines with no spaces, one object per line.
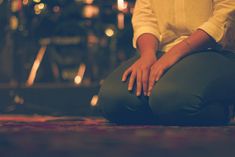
{"x":182,"y":73}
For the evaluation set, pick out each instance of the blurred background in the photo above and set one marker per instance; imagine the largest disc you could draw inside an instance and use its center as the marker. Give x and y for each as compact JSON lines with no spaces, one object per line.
{"x":55,"y":54}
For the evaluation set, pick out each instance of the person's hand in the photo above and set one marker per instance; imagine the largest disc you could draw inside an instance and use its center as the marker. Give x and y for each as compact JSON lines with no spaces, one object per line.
{"x":159,"y":67}
{"x":139,"y":72}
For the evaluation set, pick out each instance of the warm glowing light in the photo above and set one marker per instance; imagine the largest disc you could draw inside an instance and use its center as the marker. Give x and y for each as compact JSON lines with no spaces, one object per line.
{"x":79,"y":77}
{"x":18,"y":100}
{"x":90,"y":11}
{"x":14,"y":5}
{"x":109,"y":32}
{"x":37,"y":1}
{"x":41,"y":6}
{"x":94,"y":100}
{"x":37,"y":12}
{"x":121,"y":5}
{"x":77,"y":80}
{"x":25,"y":2}
{"x":29,"y":118}
{"x":35,"y":66}
{"x":38,"y":8}
{"x":14,"y":22}
{"x":88,"y":1}
{"x":121,"y":20}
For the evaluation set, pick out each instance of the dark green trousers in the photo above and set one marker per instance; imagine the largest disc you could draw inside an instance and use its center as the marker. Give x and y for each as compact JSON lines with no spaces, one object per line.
{"x":197,"y":90}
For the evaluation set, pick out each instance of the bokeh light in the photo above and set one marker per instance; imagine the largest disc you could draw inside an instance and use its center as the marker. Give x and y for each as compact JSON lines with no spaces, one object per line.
{"x":37,"y":1}
{"x":94,"y":100}
{"x":88,"y":1}
{"x":109,"y":32}
{"x":25,"y":2}
{"x":90,"y":11}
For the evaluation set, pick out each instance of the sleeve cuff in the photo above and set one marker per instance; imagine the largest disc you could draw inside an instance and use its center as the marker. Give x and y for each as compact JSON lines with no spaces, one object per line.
{"x":143,"y":30}
{"x":213,"y":30}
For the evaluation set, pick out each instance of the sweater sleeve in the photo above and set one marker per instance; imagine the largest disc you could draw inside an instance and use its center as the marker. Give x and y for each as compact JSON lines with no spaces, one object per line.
{"x":220,"y":20}
{"x":144,"y":20}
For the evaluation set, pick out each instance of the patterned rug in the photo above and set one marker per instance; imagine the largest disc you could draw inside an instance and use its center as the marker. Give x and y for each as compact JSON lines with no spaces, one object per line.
{"x":46,"y":136}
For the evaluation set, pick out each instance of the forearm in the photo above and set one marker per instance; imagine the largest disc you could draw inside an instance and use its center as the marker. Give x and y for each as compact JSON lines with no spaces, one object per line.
{"x":147,"y":45}
{"x":199,"y":40}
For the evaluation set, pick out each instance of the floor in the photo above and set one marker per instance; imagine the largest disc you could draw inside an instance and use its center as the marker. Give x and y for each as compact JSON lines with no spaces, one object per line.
{"x":46,"y":136}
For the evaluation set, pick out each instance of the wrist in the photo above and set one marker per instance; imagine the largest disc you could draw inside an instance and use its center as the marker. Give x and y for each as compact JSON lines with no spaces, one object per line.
{"x":176,"y":53}
{"x":148,"y":54}
{"x":187,"y":44}
{"x":181,"y":49}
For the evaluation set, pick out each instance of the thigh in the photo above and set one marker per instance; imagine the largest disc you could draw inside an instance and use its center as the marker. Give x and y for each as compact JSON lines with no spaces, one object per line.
{"x":195,"y":81}
{"x":119,"y":105}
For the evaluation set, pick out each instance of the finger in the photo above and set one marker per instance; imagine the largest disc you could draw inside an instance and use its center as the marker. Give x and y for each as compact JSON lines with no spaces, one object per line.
{"x":145,"y":79}
{"x":139,"y":82}
{"x":159,"y":75}
{"x":126,"y":73}
{"x":132,"y":80}
{"x":152,"y":78}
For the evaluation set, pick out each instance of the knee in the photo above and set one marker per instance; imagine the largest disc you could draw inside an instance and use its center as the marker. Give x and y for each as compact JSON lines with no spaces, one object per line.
{"x":111,"y":102}
{"x":120,"y":106}
{"x":171,"y":106}
{"x":108,"y":99}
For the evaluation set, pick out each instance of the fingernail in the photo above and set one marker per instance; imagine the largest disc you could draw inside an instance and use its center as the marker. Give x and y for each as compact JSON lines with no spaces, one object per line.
{"x":145,"y":93}
{"x":149,"y":93}
{"x":138,"y":94}
{"x":129,"y":88}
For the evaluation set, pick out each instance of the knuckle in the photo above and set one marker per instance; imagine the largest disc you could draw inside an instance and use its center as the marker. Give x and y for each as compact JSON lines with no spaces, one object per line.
{"x":134,"y":70}
{"x":131,"y":80}
{"x":144,"y":67}
{"x":144,"y":82}
{"x":144,"y":79}
{"x":133,"y":74}
{"x":151,"y":82}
